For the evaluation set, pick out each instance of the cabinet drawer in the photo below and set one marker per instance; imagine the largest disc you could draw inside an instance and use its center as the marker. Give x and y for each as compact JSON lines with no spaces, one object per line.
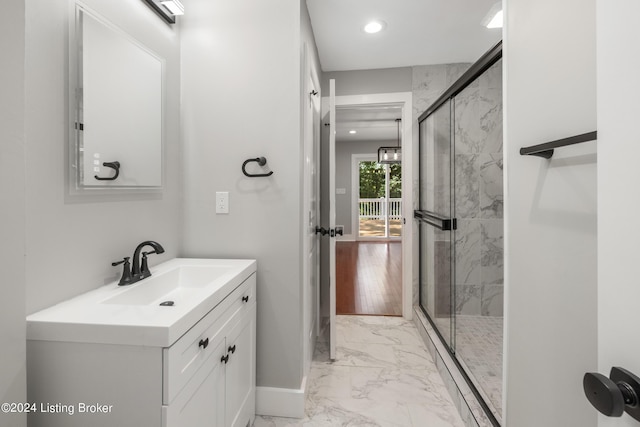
{"x":183,"y":359}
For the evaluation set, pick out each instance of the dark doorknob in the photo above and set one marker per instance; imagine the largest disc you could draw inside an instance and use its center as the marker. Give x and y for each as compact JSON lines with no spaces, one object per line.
{"x":614,"y":395}
{"x":322,"y":230}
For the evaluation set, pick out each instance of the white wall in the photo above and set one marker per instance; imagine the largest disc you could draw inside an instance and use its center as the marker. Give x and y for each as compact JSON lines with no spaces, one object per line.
{"x":550,"y":211}
{"x":71,"y":241}
{"x":241,"y":99}
{"x":12,"y":220}
{"x":618,"y":175}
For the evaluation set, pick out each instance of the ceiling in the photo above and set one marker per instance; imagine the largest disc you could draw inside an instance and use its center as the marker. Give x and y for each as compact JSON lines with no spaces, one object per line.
{"x":377,"y":123}
{"x":418,"y":32}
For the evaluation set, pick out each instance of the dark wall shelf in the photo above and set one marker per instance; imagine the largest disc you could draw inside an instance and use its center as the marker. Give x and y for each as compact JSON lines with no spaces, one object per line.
{"x":546,"y":150}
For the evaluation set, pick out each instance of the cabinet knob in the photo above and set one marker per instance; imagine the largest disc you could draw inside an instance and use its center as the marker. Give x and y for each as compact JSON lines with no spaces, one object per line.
{"x":232,"y":349}
{"x":224,"y":359}
{"x":204,"y":343}
{"x":245,"y":298}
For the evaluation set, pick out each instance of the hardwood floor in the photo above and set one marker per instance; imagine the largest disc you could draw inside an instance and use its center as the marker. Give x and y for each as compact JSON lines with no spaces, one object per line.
{"x":369,"y":278}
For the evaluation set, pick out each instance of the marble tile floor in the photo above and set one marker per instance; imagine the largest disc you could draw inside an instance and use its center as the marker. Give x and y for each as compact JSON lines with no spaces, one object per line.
{"x":382,"y":376}
{"x":479,"y":346}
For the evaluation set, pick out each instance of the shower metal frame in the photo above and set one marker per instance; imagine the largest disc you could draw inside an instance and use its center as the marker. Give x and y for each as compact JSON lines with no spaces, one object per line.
{"x":485,"y":62}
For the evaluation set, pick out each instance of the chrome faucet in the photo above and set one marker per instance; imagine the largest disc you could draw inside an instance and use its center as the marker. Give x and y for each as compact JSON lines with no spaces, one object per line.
{"x":138,"y":271}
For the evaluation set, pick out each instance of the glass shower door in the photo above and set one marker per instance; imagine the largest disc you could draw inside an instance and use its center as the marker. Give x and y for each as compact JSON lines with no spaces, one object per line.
{"x":461,"y":228}
{"x":436,"y":227}
{"x":478,"y":200}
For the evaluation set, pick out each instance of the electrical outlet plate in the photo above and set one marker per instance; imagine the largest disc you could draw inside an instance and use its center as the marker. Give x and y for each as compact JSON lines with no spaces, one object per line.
{"x":222,"y":202}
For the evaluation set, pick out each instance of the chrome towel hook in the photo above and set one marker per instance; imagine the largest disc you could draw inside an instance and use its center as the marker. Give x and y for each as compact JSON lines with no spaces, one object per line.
{"x":261,"y":161}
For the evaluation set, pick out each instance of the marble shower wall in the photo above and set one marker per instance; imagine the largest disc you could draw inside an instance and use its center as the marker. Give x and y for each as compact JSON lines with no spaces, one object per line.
{"x":479,"y":196}
{"x":428,"y":83}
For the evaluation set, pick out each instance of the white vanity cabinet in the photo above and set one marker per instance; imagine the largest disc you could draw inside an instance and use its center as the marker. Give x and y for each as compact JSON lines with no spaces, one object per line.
{"x":204,"y":378}
{"x":217,"y":368}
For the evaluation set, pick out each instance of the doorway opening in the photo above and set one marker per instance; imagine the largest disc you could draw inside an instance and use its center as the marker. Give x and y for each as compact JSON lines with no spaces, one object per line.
{"x":379,"y":203}
{"x":337,"y":190}
{"x":369,"y":257}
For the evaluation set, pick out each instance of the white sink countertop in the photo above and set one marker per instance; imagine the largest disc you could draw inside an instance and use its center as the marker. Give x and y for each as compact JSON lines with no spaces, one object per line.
{"x":132,"y":315}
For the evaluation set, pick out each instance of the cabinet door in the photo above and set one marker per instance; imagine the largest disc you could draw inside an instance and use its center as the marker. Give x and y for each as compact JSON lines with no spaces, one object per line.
{"x":241,"y":370}
{"x":202,"y":401}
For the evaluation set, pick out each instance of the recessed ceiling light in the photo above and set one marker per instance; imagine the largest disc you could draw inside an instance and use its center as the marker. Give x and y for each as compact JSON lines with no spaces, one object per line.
{"x":374,"y":27}
{"x":496,"y":21}
{"x":174,"y":6}
{"x":352,"y":131}
{"x":494,"y":17}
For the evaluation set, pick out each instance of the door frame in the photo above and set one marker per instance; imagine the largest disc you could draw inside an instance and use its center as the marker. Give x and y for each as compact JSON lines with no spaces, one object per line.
{"x":409,"y":166}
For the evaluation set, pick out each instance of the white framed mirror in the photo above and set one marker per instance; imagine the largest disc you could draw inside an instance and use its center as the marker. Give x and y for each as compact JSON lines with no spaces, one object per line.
{"x":116,"y":108}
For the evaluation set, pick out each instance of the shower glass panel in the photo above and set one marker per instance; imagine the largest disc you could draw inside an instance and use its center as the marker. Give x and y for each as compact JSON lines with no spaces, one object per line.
{"x":478,"y":257}
{"x":435,"y":206}
{"x":461,"y":228}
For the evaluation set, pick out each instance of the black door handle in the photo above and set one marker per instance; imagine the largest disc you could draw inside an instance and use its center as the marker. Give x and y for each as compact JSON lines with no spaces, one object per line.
{"x":332,"y":232}
{"x":322,"y":230}
{"x":245,"y":298}
{"x":224,"y":359}
{"x":204,"y":343}
{"x":232,"y":349}
{"x":614,"y":395}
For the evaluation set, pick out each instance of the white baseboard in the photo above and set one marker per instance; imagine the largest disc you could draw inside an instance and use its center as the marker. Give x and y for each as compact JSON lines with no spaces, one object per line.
{"x":281,"y":402}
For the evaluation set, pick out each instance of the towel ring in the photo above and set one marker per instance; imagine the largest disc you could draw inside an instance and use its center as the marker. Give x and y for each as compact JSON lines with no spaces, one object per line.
{"x":261,"y":161}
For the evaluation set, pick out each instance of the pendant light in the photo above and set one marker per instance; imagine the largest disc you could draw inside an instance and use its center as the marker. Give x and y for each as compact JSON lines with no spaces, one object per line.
{"x":391,"y":154}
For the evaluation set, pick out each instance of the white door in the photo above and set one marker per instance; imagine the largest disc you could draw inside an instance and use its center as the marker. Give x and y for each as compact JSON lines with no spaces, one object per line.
{"x":311,"y":190}
{"x":618,"y":199}
{"x":332,"y":219}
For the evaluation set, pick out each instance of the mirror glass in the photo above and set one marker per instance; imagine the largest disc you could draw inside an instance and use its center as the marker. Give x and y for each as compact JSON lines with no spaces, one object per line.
{"x":118,"y":108}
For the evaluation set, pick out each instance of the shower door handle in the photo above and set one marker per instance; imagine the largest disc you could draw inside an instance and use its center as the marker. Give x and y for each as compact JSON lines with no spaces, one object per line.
{"x":436,"y":220}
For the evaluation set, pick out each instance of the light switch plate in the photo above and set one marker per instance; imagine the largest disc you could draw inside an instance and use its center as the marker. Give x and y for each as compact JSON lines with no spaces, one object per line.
{"x":222,"y":202}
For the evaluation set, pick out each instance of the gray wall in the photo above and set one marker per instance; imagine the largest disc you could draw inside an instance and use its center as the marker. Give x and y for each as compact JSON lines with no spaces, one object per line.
{"x":71,"y":241}
{"x":344,"y":151}
{"x":386,"y":80}
{"x":242,"y":99}
{"x":12,"y":213}
{"x":550,"y":212}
